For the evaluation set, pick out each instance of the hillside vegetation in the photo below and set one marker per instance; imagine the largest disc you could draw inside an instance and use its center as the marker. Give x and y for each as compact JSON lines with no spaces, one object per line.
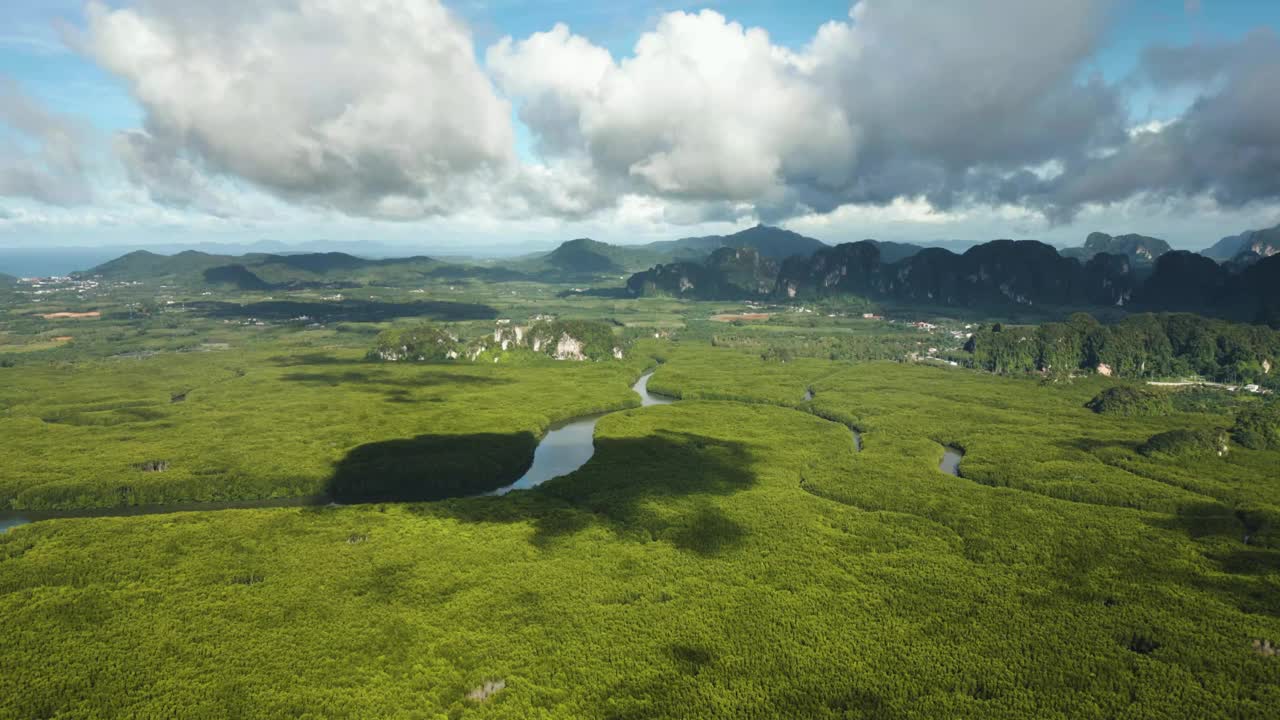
{"x":1140,"y":346}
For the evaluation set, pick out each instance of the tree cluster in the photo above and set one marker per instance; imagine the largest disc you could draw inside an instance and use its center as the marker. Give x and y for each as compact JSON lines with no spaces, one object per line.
{"x":1140,"y":346}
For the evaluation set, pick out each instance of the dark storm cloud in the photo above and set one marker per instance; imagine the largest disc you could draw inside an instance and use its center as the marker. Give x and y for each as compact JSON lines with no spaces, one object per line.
{"x":1226,"y":145}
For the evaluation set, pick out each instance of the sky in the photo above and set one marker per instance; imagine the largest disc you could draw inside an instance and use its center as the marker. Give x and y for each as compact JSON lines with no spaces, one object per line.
{"x":477,"y":124}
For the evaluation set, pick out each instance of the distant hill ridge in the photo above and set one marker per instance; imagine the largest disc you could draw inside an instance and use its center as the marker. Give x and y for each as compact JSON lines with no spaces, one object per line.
{"x":586,"y":256}
{"x":768,"y":241}
{"x":260,"y":271}
{"x":1247,"y":247}
{"x":1141,"y":250}
{"x":573,"y":260}
{"x":1001,"y":272}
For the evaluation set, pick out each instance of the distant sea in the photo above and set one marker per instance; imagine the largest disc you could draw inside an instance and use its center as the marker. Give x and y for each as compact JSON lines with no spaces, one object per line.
{"x":43,"y":262}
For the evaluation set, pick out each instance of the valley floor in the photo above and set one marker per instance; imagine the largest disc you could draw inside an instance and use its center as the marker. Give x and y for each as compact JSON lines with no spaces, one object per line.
{"x":733,"y":555}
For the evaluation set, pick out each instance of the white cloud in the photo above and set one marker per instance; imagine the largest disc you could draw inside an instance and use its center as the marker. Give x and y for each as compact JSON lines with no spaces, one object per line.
{"x":939,"y":99}
{"x":376,"y":107}
{"x":704,"y":110}
{"x":41,"y":154}
{"x":970,"y":114}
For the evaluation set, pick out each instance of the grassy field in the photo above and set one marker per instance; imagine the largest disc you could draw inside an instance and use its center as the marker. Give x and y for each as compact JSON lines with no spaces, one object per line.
{"x":729,"y":556}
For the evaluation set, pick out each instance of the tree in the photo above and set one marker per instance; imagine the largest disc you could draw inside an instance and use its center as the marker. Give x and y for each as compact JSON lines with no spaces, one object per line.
{"x":423,"y":343}
{"x":1258,"y":426}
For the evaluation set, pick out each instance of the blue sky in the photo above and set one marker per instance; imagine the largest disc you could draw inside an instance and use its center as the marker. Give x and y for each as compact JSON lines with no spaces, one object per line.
{"x":37,"y":50}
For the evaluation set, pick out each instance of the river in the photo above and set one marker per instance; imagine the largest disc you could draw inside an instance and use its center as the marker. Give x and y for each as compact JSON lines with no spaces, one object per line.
{"x":569,"y":445}
{"x":566,"y":447}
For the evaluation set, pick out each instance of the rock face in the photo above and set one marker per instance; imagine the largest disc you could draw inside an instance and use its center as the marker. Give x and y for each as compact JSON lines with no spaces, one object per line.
{"x":1141,"y":250}
{"x":1000,"y":272}
{"x":560,"y":339}
{"x":1247,"y":247}
{"x":568,"y":348}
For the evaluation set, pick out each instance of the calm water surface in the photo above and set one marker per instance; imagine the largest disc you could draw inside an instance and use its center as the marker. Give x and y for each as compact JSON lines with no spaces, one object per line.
{"x":951,"y":458}
{"x":566,"y":447}
{"x":570,"y":445}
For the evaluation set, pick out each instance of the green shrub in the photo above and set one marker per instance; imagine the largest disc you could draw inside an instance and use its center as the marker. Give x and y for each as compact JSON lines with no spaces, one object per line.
{"x":1186,"y":443}
{"x":1129,"y":400}
{"x":1258,"y":427}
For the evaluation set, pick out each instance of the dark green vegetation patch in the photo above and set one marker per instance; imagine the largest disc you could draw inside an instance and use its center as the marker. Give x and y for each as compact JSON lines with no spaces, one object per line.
{"x":1131,"y":400}
{"x":1187,"y":443}
{"x":1258,"y":427}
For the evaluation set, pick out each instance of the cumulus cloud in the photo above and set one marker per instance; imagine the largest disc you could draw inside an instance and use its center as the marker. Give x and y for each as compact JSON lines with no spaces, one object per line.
{"x":907,"y":98}
{"x":41,"y":156}
{"x":378,"y":108}
{"x":374,"y":107}
{"x":704,"y":110}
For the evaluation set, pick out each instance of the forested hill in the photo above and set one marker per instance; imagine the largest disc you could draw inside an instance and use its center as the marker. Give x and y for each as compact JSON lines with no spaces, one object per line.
{"x":144,"y":264}
{"x":1140,"y":346}
{"x":728,"y":273}
{"x":7,"y":280}
{"x":577,"y":260}
{"x":1003,"y":272}
{"x":260,"y":271}
{"x":1141,"y":250}
{"x":585,"y":257}
{"x":767,"y":241}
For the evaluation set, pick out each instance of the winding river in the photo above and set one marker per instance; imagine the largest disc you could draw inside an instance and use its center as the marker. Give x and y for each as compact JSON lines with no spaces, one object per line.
{"x":566,"y":447}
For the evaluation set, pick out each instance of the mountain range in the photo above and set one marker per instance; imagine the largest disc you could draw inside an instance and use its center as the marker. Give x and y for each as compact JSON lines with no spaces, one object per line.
{"x":582,"y":259}
{"x":998,"y":273}
{"x":260,"y":271}
{"x":766,"y":262}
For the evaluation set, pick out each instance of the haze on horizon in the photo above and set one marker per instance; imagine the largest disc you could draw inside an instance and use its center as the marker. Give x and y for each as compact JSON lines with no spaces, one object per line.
{"x":477,"y":125}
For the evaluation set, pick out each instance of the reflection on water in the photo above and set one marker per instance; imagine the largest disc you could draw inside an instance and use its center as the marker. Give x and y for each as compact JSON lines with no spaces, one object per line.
{"x":569,"y":446}
{"x":647,"y":399}
{"x":951,"y":458}
{"x":10,"y":521}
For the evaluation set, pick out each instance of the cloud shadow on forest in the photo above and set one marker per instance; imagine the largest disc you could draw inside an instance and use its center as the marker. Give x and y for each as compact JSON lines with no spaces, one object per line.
{"x":658,"y":487}
{"x":344,"y":311}
{"x":377,"y":378}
